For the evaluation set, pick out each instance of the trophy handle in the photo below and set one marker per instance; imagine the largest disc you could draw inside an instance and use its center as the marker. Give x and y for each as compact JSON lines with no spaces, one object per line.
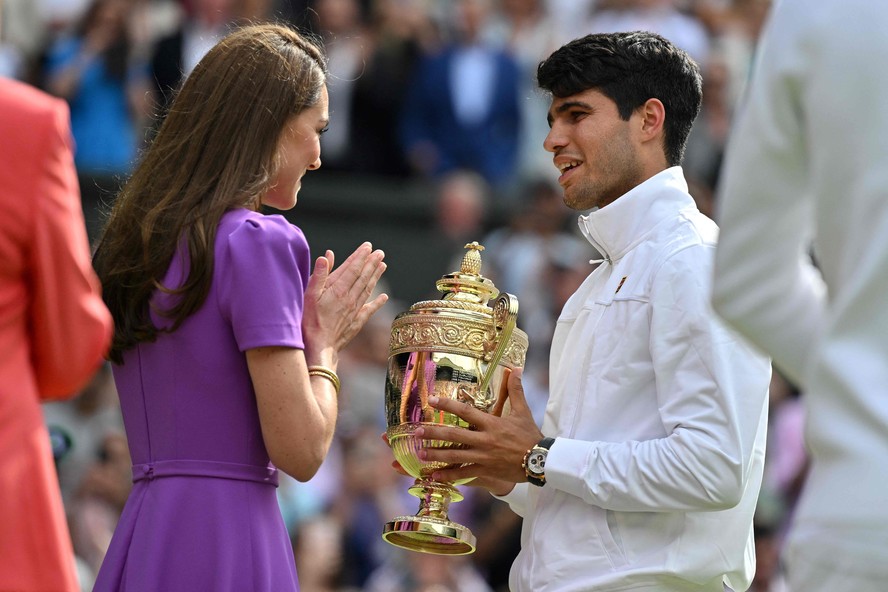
{"x":505,"y":316}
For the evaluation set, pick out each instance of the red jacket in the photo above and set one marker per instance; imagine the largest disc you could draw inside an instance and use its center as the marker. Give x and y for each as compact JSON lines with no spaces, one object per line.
{"x":54,"y":330}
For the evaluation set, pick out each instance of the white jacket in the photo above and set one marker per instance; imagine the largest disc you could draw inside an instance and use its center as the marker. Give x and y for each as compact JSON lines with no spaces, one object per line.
{"x":659,"y":414}
{"x":809,"y":159}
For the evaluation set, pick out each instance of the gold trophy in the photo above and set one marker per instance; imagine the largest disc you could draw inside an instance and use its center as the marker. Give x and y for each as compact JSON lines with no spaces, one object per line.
{"x":458,"y":347}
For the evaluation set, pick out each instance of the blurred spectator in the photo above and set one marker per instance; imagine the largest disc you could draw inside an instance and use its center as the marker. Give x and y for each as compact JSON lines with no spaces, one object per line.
{"x":102,"y":74}
{"x":787,"y":456}
{"x":568,"y":261}
{"x":340,"y":23}
{"x":362,"y":369}
{"x":59,"y":14}
{"x":54,"y":330}
{"x":93,"y":467}
{"x":462,"y":109}
{"x":462,"y":200}
{"x":498,"y":532}
{"x":518,"y":254}
{"x":786,"y":465}
{"x":318,"y":554}
{"x":657,"y":16}
{"x":83,"y":422}
{"x":176,"y":54}
{"x":370,"y":494}
{"x":399,"y":31}
{"x":734,"y":40}
{"x":21,"y":36}
{"x":419,"y":572}
{"x":254,"y":11}
{"x":529,"y":34}
{"x":99,"y":500}
{"x":571,"y":17}
{"x":709,"y":135}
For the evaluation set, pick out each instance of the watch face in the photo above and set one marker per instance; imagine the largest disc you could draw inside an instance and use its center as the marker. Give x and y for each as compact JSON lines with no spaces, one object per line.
{"x":536,"y":462}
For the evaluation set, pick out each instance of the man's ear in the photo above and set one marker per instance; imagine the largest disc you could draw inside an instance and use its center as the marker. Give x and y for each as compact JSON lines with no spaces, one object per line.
{"x":652,"y":118}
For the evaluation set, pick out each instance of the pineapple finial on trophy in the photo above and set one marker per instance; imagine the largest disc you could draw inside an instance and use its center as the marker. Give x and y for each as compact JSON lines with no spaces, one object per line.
{"x":471,"y":262}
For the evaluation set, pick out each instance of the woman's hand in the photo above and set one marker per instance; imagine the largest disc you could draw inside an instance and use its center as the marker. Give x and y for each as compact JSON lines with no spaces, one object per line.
{"x":336,"y":302}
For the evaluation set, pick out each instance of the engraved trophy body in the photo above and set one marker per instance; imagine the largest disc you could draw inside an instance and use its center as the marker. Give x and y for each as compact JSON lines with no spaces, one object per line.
{"x":459,"y":348}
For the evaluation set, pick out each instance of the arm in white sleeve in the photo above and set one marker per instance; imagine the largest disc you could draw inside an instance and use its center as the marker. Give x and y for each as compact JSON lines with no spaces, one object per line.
{"x":765,"y":284}
{"x":517,"y":498}
{"x":712,"y":393}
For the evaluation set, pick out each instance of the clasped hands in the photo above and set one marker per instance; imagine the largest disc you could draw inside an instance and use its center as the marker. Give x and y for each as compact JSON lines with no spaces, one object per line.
{"x":337,"y":301}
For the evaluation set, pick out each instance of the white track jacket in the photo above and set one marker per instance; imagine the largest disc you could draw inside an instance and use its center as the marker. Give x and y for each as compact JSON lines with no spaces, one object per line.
{"x":659,"y":414}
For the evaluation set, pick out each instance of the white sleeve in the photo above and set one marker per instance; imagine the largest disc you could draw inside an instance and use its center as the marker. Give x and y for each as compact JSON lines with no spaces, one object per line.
{"x":517,"y":498}
{"x":764,"y":282}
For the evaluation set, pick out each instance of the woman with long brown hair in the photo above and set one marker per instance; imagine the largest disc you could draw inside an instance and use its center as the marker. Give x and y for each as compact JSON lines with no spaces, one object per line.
{"x":225,"y":348}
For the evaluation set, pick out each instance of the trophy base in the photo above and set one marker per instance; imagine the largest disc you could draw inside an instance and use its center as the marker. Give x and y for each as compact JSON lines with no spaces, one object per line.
{"x":426,"y":534}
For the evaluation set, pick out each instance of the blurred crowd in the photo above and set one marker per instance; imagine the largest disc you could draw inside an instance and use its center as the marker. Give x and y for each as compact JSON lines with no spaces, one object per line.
{"x":442,"y":91}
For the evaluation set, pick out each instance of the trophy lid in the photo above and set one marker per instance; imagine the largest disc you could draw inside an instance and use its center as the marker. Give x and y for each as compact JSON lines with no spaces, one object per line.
{"x":467,"y":284}
{"x":462,"y":321}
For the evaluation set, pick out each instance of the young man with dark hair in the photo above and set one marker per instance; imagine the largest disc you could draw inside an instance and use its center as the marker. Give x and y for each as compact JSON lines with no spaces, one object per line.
{"x":646,"y":471}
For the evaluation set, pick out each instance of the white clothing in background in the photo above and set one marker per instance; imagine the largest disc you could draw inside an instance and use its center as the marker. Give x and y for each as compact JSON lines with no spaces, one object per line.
{"x":807,"y":160}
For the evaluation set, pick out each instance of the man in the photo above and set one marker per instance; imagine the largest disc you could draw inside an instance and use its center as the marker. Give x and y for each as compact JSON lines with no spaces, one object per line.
{"x":54,"y":330}
{"x":462,"y":109}
{"x":809,"y":158}
{"x":647,"y":468}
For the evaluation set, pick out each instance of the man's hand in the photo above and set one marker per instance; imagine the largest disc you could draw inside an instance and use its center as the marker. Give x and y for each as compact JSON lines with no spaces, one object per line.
{"x":493,"y":450}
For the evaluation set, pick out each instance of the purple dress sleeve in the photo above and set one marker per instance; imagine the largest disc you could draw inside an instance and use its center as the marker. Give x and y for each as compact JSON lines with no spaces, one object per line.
{"x":263,"y":282}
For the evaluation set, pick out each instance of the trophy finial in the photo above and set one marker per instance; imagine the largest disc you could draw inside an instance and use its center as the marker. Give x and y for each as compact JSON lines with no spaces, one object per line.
{"x":467,"y":284}
{"x":471,"y":262}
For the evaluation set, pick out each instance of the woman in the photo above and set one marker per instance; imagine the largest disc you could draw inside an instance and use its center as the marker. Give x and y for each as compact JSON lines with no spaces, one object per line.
{"x":225,"y":349}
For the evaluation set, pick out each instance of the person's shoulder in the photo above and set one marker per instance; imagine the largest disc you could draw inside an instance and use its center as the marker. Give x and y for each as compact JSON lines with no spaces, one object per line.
{"x":242,"y":224}
{"x":685,"y":247}
{"x":700,"y":226}
{"x":33,"y":124}
{"x":255,"y":247}
{"x":20,"y":101}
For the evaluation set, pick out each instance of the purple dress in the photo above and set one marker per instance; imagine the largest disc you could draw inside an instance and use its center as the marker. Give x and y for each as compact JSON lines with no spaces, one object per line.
{"x":203,"y":512}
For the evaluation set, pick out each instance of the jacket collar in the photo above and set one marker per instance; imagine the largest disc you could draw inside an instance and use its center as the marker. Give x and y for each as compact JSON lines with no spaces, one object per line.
{"x":618,"y":227}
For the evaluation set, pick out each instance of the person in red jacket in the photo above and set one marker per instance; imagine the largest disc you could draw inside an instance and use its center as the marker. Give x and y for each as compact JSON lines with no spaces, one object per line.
{"x":54,"y":330}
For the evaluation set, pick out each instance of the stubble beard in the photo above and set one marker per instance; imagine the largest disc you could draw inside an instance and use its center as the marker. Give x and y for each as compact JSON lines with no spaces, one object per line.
{"x":622,"y":173}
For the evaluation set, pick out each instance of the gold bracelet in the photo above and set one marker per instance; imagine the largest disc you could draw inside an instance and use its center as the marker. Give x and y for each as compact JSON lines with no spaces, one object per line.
{"x":326,"y":373}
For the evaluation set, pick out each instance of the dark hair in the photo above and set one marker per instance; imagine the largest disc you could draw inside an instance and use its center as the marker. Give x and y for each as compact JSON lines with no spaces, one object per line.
{"x":216,"y":150}
{"x":630,"y":68}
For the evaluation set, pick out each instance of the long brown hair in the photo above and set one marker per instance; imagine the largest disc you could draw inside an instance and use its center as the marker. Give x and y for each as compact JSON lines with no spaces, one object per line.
{"x":215,"y":151}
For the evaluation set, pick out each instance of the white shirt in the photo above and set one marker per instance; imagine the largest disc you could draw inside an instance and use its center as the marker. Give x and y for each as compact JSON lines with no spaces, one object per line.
{"x":659,"y":414}
{"x":809,"y":159}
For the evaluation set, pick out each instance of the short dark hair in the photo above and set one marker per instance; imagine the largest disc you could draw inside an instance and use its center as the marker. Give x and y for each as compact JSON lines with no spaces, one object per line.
{"x":630,"y":68}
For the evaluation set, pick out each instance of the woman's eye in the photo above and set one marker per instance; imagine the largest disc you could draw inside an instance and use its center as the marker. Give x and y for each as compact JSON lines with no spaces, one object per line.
{"x":323,"y":131}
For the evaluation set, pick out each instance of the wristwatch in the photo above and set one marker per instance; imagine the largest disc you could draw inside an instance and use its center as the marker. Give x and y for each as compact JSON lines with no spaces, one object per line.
{"x":535,"y":462}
